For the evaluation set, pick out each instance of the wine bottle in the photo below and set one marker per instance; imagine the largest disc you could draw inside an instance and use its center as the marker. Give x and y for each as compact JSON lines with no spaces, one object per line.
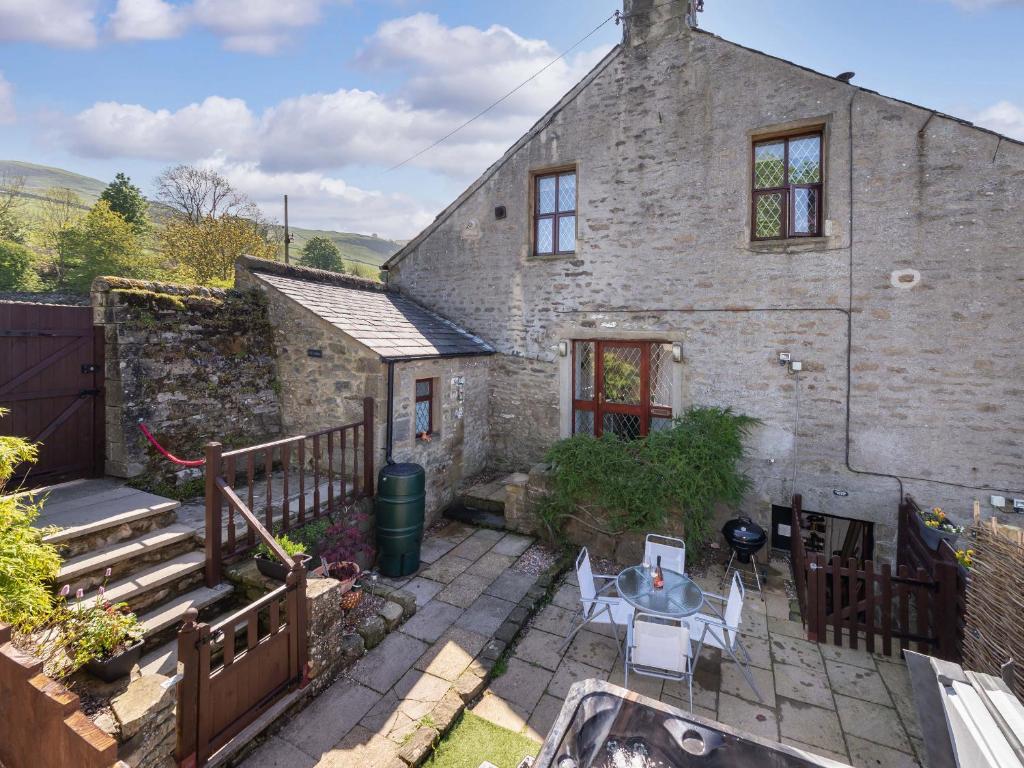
{"x":659,"y":578}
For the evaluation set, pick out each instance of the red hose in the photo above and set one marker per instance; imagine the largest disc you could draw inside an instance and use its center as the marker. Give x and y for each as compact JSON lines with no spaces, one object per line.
{"x":167,"y":454}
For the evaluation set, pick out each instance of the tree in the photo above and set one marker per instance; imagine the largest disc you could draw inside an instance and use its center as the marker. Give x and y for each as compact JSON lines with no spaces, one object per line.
{"x":15,"y":267}
{"x":12,"y":227}
{"x":126,"y":199}
{"x":200,"y":193}
{"x":205,"y":251}
{"x":60,"y":210}
{"x":102,"y":243}
{"x":321,"y":253}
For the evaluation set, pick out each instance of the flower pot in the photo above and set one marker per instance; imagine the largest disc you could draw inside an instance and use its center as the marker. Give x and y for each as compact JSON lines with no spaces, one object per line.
{"x":116,"y":667}
{"x":965,"y":572}
{"x":273,"y":568}
{"x":934,"y":536}
{"x":349,"y":573}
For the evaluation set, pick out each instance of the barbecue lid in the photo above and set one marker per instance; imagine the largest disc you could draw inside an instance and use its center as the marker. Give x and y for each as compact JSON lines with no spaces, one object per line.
{"x":743,"y":530}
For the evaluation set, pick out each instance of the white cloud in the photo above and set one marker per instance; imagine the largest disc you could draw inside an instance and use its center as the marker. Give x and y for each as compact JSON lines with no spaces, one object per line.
{"x":147,"y":20}
{"x":252,"y":26}
{"x":65,"y":23}
{"x":1005,"y":117}
{"x":7,"y":113}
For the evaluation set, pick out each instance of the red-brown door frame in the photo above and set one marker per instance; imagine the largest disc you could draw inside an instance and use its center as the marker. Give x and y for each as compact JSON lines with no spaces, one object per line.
{"x":599,"y":406}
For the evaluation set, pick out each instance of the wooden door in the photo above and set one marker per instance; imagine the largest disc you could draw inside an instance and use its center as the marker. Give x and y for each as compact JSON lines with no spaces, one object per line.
{"x":51,"y":382}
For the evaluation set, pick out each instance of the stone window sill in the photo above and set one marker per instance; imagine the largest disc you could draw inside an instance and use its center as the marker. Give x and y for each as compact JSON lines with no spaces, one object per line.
{"x":552,"y":256}
{"x":792,"y":245}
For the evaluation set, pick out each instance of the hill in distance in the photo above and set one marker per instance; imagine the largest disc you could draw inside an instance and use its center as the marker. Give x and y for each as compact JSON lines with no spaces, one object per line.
{"x":360,"y":249}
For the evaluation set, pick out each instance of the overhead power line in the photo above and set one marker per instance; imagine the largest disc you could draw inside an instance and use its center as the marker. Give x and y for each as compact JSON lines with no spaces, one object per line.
{"x":616,"y":15}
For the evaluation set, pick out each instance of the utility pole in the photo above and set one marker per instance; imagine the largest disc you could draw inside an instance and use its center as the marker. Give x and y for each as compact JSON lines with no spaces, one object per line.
{"x":287,"y":235}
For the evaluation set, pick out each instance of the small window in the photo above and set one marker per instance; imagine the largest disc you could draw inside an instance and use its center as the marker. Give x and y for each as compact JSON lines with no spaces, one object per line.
{"x":555,"y":214}
{"x":424,"y":408}
{"x":788,"y":183}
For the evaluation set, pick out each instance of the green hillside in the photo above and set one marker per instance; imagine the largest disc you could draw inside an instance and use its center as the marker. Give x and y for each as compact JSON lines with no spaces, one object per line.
{"x":359,"y":249}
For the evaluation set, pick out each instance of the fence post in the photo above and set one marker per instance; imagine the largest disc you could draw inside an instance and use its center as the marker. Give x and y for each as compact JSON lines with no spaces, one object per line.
{"x":299,"y":609}
{"x":945,"y":615}
{"x":188,"y":691}
{"x":213,"y":510}
{"x":368,"y":427}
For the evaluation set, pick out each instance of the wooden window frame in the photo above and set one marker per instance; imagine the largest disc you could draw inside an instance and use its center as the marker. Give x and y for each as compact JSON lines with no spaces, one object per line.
{"x":427,"y":398}
{"x":787,"y":190}
{"x":645,"y":410}
{"x":556,"y":215}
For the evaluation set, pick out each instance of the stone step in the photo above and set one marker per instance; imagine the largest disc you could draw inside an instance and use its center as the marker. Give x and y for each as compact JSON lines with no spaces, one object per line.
{"x":95,"y":513}
{"x":152,"y":585}
{"x":87,"y":570}
{"x":163,"y":622}
{"x":471,"y":515}
{"x":163,"y":659}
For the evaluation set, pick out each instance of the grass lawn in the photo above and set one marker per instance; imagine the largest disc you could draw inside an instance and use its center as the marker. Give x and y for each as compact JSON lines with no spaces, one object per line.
{"x":474,"y":740}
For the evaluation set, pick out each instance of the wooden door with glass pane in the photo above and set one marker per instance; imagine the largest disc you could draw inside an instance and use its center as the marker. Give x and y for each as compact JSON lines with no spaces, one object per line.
{"x":621,"y":388}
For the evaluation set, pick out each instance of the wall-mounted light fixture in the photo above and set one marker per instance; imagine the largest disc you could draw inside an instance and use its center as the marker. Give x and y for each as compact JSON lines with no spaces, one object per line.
{"x":677,"y":352}
{"x":563,"y":348}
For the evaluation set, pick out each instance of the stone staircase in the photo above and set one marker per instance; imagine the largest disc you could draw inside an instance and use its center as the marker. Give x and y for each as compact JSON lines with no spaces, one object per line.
{"x":156,"y":563}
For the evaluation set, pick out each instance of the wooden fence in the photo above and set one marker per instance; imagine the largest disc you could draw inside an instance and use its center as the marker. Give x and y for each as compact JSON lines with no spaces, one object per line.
{"x":858,"y":603}
{"x":326,"y":469}
{"x":233,"y":671}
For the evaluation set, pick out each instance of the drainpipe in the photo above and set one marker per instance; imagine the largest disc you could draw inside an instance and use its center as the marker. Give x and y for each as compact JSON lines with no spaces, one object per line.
{"x":389,"y":439}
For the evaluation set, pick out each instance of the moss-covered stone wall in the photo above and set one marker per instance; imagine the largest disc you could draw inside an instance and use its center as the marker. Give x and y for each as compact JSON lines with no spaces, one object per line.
{"x":195,"y":364}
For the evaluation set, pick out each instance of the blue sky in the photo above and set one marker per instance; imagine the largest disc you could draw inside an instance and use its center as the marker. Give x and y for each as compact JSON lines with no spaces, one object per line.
{"x":318,"y":98}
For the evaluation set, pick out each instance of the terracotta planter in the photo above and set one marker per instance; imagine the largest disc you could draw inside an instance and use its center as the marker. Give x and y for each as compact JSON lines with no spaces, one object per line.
{"x":273,"y":568}
{"x":116,"y":667}
{"x":348,"y":581}
{"x":934,"y":536}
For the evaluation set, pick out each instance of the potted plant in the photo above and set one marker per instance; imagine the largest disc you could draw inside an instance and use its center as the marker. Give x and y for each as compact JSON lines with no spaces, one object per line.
{"x":964,"y":561}
{"x":935,"y":527}
{"x":268,"y":564}
{"x":346,"y":549}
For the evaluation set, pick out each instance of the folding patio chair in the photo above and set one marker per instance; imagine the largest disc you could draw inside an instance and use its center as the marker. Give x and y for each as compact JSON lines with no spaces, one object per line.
{"x":659,"y":646}
{"x":723,"y":630}
{"x":597,"y":607}
{"x":671,"y":550}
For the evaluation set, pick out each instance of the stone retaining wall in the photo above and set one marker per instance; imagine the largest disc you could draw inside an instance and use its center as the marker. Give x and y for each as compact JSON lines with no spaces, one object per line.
{"x":195,"y":364}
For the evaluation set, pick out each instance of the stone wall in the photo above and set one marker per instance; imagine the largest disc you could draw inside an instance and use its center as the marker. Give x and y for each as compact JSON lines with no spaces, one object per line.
{"x":911,"y":385}
{"x":195,"y":364}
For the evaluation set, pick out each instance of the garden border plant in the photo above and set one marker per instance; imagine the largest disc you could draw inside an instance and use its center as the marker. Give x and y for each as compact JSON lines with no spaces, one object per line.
{"x":639,"y":485}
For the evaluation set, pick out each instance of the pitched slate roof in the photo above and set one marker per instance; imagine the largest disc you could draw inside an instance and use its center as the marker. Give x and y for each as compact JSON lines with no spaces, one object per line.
{"x":389,"y":324}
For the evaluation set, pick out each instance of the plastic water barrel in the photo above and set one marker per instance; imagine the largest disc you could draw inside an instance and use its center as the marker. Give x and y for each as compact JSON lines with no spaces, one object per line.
{"x":401,"y":490}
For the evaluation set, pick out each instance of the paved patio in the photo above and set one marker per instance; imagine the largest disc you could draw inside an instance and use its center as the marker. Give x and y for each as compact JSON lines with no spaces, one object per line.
{"x":851,"y":706}
{"x":378,"y":711}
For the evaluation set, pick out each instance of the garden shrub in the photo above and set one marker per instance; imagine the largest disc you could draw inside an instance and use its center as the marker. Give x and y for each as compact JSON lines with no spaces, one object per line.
{"x":27,"y":564}
{"x":638,"y":485}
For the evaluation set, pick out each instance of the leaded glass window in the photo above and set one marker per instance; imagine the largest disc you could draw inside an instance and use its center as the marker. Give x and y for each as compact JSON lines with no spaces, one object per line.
{"x":424,"y":407}
{"x":555,"y":214}
{"x":788,"y":184}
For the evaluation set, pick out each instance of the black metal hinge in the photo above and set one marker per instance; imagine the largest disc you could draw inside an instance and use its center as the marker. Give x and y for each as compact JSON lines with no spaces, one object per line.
{"x":88,"y":392}
{"x":90,"y":368}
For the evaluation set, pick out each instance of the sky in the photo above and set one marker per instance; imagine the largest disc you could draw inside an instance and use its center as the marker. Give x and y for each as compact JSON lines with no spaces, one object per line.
{"x":320,"y":98}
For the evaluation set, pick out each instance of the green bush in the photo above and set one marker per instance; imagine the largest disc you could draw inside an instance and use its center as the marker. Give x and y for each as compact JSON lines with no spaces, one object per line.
{"x":290,"y":547}
{"x":16,"y":273}
{"x":27,"y":564}
{"x":638,"y":485}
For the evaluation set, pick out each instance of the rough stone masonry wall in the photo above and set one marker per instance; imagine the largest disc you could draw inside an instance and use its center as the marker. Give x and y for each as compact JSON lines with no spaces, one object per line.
{"x":195,"y":364}
{"x":661,"y":140}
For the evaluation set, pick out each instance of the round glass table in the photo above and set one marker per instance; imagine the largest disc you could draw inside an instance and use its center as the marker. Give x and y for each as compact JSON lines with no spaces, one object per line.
{"x":679,"y":597}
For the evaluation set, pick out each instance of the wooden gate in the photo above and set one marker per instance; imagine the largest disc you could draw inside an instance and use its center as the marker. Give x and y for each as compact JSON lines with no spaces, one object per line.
{"x":856,"y":602}
{"x":51,"y":381}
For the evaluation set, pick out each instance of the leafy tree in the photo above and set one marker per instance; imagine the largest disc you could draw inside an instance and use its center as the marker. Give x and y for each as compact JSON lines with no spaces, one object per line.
{"x":205,"y":251}
{"x":200,"y":193}
{"x":60,"y":210}
{"x":322,"y":253}
{"x":16,"y":272}
{"x":126,"y":199}
{"x":102,"y":243}
{"x":12,"y":227}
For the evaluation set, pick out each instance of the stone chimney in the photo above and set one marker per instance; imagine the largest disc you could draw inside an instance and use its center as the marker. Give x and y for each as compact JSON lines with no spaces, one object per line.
{"x":647,"y":21}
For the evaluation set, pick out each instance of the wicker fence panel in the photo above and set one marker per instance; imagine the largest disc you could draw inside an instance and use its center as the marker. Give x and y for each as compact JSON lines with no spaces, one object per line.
{"x":995,"y":602}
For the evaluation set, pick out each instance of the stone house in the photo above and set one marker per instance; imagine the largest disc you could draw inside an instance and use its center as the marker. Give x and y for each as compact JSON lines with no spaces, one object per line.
{"x":745,"y":232}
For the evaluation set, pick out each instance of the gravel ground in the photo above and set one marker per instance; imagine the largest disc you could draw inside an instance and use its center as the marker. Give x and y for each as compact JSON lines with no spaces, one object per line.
{"x":537,"y":559}
{"x":367,"y":607}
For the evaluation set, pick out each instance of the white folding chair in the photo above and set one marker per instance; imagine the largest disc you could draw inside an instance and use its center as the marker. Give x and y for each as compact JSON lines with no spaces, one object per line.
{"x":659,"y":646}
{"x":722,"y":631}
{"x":596,"y":606}
{"x":671,"y":550}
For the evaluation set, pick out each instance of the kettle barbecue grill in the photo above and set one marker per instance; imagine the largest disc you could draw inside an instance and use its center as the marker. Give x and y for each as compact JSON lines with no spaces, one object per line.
{"x":745,"y":538}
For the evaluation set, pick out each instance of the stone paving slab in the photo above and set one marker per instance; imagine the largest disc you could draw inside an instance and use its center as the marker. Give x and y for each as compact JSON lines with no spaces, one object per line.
{"x":424,"y":590}
{"x":811,"y":725}
{"x":866,"y":754}
{"x":510,"y":586}
{"x":452,"y":653}
{"x":486,"y":614}
{"x":342,"y":705}
{"x":513,"y":544}
{"x":275,"y":752}
{"x":858,"y":682}
{"x":464,"y":589}
{"x":871,"y":722}
{"x":446,"y":568}
{"x":400,"y":650}
{"x":431,"y":621}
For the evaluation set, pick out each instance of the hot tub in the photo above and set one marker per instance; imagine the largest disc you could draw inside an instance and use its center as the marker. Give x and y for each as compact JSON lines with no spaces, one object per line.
{"x":605,"y":726}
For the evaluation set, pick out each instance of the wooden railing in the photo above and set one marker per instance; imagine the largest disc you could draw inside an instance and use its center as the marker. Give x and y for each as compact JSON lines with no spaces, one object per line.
{"x":317,"y":474}
{"x":858,"y":602}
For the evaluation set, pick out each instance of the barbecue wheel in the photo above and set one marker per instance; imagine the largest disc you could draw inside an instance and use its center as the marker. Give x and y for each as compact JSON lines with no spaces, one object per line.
{"x":351,"y":599}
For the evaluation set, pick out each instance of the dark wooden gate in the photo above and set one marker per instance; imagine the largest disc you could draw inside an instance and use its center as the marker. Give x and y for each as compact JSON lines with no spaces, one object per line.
{"x":51,"y":381}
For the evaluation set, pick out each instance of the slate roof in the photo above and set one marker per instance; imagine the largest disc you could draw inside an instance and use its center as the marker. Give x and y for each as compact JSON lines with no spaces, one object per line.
{"x":389,"y":324}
